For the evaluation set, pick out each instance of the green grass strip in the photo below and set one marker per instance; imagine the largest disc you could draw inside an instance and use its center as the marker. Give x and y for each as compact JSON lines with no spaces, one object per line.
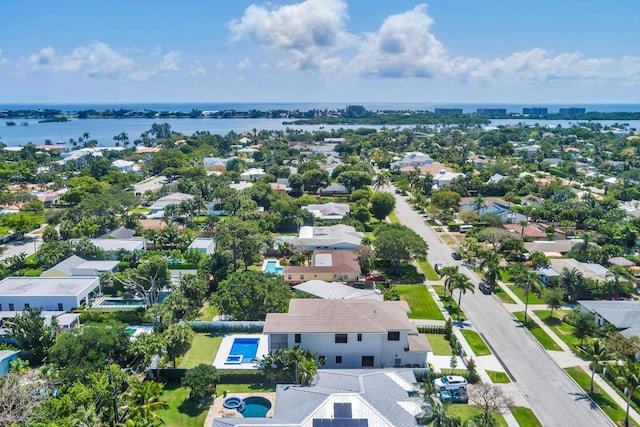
{"x":519,"y":292}
{"x":476,"y":342}
{"x":427,"y":270}
{"x":203,"y":350}
{"x":498,"y":377}
{"x":525,"y":416}
{"x":420,"y":301}
{"x":393,"y":218}
{"x":602,"y":399}
{"x":543,"y":338}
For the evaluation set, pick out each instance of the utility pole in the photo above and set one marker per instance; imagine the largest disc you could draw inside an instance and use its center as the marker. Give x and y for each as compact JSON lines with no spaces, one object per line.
{"x":115,"y":394}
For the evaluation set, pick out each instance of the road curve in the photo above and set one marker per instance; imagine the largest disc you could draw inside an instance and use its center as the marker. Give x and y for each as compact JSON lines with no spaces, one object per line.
{"x":551,"y":393}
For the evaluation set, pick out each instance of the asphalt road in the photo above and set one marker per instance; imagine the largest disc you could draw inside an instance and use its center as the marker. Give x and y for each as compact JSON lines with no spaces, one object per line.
{"x":555,"y":398}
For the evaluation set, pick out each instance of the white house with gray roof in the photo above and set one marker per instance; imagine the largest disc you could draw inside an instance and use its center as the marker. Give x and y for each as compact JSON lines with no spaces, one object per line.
{"x":412,"y":159}
{"x":50,"y":293}
{"x":624,"y":315}
{"x":75,"y":266}
{"x":336,"y":290}
{"x":338,"y":236}
{"x":328,"y":211}
{"x":344,"y":397}
{"x":348,"y":334}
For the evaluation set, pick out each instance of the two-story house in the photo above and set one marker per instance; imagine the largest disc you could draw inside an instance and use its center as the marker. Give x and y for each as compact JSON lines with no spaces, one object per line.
{"x":349,"y":333}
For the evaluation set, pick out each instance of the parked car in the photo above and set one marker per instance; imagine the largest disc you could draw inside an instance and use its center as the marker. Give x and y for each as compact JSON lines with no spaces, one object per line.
{"x":437,"y":267}
{"x":454,"y":396}
{"x":456,"y":256}
{"x":485,"y":288}
{"x":450,"y":382}
{"x":375,"y":278}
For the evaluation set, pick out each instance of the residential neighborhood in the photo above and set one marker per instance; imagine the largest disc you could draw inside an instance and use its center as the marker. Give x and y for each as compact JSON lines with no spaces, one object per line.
{"x":327,"y":277}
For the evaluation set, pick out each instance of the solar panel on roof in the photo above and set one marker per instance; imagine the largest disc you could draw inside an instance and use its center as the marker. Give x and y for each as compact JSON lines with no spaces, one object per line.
{"x":340,"y":422}
{"x":342,"y":410}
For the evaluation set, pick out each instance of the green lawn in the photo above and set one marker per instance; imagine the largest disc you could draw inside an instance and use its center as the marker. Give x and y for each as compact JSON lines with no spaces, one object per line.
{"x":602,"y":399}
{"x":181,"y":412}
{"x":465,"y":412}
{"x":393,"y":218}
{"x":243,"y":388}
{"x":439,"y":345}
{"x":427,"y":270}
{"x":505,"y":275}
{"x":543,"y":338}
{"x":207,"y":312}
{"x":203,"y":350}
{"x":519,"y":292}
{"x":502,"y":295}
{"x":420,"y":301}
{"x":476,"y":342}
{"x":561,"y":329}
{"x":525,"y":416}
{"x":450,"y":304}
{"x":498,"y":377}
{"x":140,"y":210}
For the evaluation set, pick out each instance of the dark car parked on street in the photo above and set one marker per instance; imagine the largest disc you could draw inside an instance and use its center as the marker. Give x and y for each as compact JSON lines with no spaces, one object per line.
{"x":485,"y":288}
{"x":456,"y":256}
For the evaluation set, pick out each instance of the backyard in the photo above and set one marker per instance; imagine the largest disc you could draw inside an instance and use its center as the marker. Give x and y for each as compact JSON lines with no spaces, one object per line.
{"x":420,"y":301}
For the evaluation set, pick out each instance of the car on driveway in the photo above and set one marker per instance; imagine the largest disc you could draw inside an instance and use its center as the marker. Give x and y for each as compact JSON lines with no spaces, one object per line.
{"x":437,"y":267}
{"x":485,"y":288}
{"x":375,"y":278}
{"x":450,"y":382}
{"x":454,"y":396}
{"x":456,"y":256}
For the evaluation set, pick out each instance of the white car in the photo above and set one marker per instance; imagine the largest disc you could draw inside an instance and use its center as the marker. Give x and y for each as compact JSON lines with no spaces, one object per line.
{"x":450,"y":382}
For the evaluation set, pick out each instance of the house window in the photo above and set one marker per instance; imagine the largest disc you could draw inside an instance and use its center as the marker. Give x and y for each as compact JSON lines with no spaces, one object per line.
{"x":338,"y":359}
{"x":367,"y":361}
{"x":393,"y":336}
{"x":297,"y":338}
{"x":0,"y":307}
{"x":321,"y":360}
{"x":302,"y":277}
{"x":60,"y":307}
{"x":26,"y":305}
{"x":289,"y":277}
{"x":341,"y":339}
{"x":11,"y":308}
{"x":359,"y":337}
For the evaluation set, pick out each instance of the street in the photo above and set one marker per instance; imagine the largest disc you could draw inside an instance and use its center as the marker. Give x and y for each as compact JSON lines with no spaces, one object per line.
{"x":551,"y":393}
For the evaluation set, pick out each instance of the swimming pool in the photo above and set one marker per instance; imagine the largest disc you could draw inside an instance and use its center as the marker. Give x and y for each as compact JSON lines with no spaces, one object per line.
{"x":243,"y":350}
{"x":271,"y":266}
{"x":120,"y":301}
{"x":255,"y":407}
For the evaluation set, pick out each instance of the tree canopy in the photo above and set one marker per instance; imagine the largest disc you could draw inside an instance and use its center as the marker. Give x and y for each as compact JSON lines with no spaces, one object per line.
{"x":399,"y":244}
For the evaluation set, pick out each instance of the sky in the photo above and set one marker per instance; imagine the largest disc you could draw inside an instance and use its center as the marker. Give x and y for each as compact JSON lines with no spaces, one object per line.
{"x":568,"y":52}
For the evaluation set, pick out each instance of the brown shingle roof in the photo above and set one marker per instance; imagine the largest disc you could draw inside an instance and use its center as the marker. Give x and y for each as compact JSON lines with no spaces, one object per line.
{"x":342,"y":261}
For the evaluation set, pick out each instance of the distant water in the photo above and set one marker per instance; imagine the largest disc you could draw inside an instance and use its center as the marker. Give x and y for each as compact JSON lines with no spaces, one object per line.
{"x":103,"y":130}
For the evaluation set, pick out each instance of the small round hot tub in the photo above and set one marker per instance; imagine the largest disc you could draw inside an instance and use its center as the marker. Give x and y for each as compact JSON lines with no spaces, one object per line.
{"x":232,"y":403}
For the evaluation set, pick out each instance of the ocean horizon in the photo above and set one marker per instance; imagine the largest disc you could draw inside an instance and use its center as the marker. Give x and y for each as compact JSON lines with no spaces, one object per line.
{"x":467,"y":107}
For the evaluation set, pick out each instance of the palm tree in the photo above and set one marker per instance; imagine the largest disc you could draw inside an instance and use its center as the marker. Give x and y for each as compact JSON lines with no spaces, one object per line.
{"x":144,"y":401}
{"x":583,"y":249}
{"x":448,"y":272}
{"x":529,"y":281}
{"x":628,"y":376}
{"x":478,"y":203}
{"x":438,"y":416}
{"x":462,"y":283}
{"x":597,"y":353}
{"x":491,"y":266}
{"x":572,"y":280}
{"x":617,"y":272}
{"x":381,"y":180}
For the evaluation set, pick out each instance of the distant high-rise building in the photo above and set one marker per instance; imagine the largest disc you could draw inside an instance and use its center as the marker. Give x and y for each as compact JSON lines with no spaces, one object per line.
{"x":448,"y":110}
{"x":535,"y":111}
{"x":572,"y":111}
{"x":492,"y":111}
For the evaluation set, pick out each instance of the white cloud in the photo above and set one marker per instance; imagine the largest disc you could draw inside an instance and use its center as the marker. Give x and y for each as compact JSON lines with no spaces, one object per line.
{"x":170,"y":61}
{"x":311,"y":32}
{"x":197,"y":69}
{"x":95,"y":60}
{"x":245,"y":63}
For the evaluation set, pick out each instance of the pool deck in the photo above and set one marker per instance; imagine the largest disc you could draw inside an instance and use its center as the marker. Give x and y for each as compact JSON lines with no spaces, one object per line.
{"x":216,"y":410}
{"x":220,"y":361}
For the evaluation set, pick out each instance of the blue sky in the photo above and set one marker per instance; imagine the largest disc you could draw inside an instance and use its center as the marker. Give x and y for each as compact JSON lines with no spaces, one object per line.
{"x":466,"y":51}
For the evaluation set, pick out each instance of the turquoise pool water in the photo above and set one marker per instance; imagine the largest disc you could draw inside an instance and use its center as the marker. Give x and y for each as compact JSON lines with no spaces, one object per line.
{"x":245,"y":347}
{"x":255,"y":407}
{"x":116,"y":301}
{"x":273,"y":267}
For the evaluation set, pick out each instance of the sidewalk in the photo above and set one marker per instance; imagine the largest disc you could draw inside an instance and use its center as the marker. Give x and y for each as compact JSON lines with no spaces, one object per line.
{"x":567,"y":358}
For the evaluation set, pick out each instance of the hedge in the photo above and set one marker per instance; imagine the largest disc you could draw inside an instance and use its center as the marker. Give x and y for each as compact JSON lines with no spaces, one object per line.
{"x":226,"y":327}
{"x":125,"y":316}
{"x":227,"y":376}
{"x":433,"y":329}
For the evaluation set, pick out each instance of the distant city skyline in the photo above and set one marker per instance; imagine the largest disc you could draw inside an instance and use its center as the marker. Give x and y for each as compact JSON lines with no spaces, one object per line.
{"x":350,"y":51}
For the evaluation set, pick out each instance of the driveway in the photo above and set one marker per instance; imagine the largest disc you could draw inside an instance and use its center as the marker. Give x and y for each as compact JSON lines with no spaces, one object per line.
{"x":550,"y":392}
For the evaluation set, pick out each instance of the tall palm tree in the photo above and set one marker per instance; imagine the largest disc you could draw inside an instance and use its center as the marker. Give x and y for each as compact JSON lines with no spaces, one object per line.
{"x":144,"y":400}
{"x":572,"y":280}
{"x":462,"y":283}
{"x":479,"y":203}
{"x":448,"y":272}
{"x":529,"y":281}
{"x":628,"y":376}
{"x":381,"y":180}
{"x":491,"y":266}
{"x":617,"y":272}
{"x":597,"y":352}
